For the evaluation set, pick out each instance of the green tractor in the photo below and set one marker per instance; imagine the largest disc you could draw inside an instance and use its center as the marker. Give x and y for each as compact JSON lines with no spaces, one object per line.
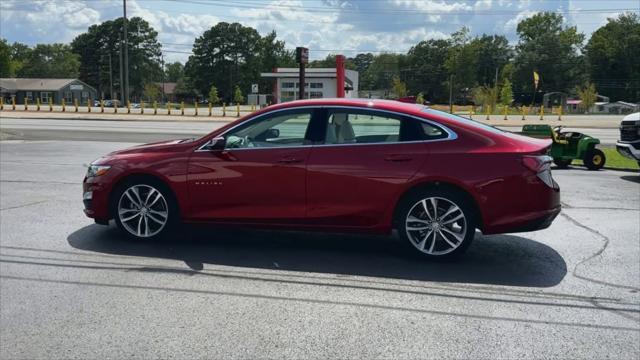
{"x":568,"y":146}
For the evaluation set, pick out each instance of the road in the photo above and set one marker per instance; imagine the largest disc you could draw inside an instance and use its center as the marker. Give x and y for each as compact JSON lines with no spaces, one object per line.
{"x":73,"y":289}
{"x":147,"y":131}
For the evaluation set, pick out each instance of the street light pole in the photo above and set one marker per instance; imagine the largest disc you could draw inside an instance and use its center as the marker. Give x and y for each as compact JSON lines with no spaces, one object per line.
{"x":126,"y":55}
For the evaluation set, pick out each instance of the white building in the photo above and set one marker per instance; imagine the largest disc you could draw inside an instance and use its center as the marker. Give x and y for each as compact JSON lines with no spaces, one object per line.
{"x":319,"y":83}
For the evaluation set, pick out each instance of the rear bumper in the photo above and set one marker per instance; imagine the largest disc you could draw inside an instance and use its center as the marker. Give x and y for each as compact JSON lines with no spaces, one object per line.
{"x":541,"y":221}
{"x":629,"y":150}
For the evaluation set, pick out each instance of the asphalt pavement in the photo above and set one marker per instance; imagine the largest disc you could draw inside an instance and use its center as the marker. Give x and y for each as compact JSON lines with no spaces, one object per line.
{"x":148,"y":131}
{"x":73,"y":289}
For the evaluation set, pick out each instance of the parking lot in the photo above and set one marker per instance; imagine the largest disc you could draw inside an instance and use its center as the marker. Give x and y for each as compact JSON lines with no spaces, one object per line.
{"x":72,"y":289}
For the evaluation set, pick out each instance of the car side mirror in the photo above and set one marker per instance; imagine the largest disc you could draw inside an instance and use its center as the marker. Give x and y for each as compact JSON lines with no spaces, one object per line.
{"x":272,"y":133}
{"x":216,"y":144}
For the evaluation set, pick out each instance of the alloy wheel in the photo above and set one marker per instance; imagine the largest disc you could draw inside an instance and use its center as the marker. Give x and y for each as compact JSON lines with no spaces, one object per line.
{"x":143,"y":210}
{"x":436,"y":226}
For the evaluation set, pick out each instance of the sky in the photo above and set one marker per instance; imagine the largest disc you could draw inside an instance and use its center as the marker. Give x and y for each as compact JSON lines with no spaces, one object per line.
{"x":324,"y":26}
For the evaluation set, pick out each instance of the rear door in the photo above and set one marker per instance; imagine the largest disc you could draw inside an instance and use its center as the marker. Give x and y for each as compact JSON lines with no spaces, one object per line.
{"x":366,"y":157}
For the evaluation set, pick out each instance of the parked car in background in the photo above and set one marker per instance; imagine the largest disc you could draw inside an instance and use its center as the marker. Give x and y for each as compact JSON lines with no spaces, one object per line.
{"x":335,"y":165}
{"x":629,"y":143}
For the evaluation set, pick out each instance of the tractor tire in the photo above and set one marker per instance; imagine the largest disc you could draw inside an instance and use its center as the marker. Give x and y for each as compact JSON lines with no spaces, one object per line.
{"x":594,"y":159}
{"x":562,"y":163}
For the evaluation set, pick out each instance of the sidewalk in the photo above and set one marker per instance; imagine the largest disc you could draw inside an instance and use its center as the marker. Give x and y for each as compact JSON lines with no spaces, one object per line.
{"x":573,"y":121}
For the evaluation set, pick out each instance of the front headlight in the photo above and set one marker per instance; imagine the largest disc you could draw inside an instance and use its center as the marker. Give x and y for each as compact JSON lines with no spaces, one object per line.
{"x":97,"y":170}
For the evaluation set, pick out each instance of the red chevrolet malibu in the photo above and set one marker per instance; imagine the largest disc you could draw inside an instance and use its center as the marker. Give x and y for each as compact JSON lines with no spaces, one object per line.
{"x":334,"y":165}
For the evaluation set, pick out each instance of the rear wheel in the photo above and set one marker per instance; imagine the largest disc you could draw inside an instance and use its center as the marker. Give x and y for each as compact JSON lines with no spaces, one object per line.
{"x":437,"y":224}
{"x":144,"y":210}
{"x":594,"y":159}
{"x":562,"y":163}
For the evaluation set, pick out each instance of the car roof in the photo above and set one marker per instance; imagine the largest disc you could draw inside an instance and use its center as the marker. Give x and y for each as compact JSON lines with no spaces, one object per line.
{"x":391,"y":105}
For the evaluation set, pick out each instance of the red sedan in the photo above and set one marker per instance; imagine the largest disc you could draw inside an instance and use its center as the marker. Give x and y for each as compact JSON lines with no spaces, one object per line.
{"x":334,"y":165}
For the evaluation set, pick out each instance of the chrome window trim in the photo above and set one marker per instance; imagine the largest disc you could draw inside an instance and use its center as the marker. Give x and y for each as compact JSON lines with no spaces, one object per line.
{"x":451,"y":135}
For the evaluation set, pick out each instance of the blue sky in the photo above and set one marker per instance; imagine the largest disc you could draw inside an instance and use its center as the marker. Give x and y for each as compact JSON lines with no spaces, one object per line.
{"x":325,"y":26}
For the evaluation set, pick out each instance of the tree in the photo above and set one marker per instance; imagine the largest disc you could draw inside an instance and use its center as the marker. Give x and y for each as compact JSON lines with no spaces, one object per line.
{"x":426,"y":71}
{"x":185,"y":89}
{"x":485,"y":96}
{"x":613,"y":54}
{"x":399,"y":87}
{"x":101,"y":45}
{"x":380,"y":73}
{"x":550,"y":49}
{"x":462,"y":61}
{"x":224,"y":56}
{"x":50,"y":61}
{"x":173,"y":71}
{"x":213,"y":95}
{"x":6,"y":68}
{"x":506,"y":93}
{"x":238,"y":98}
{"x":588,"y":95}
{"x":152,"y":91}
{"x":492,"y":53}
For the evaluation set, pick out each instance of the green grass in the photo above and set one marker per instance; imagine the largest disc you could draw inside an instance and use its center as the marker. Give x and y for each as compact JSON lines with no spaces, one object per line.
{"x":614,"y":160}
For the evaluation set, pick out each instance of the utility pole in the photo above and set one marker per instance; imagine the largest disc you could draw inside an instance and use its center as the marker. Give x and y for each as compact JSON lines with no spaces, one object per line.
{"x":495,"y":83}
{"x":126,"y":55}
{"x":162,"y":64}
{"x":121,"y":75}
{"x":451,"y":94}
{"x":110,"y":78}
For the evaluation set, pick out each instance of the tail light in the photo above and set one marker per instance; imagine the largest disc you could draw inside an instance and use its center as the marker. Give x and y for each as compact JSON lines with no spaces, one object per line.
{"x":541,"y":166}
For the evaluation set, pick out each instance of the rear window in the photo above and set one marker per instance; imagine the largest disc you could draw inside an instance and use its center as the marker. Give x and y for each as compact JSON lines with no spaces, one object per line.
{"x":463,"y":120}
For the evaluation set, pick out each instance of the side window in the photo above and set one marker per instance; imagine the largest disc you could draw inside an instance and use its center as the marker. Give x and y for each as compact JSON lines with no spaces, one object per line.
{"x":272,"y":131}
{"x":432,"y":131}
{"x":345,"y":127}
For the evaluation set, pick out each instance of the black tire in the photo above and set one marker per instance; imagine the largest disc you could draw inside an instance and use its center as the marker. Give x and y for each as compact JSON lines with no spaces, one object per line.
{"x":562,"y":163}
{"x":165,"y":204}
{"x":594,"y":159}
{"x":445,"y":198}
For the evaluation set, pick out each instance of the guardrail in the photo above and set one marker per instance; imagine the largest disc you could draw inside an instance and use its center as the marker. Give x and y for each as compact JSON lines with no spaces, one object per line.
{"x":231,"y":110}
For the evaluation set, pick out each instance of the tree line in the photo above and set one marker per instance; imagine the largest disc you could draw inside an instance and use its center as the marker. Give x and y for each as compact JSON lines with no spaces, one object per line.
{"x":228,"y":58}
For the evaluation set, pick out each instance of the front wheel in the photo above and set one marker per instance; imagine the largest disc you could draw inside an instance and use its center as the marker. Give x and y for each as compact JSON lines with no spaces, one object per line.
{"x":594,"y":159}
{"x":144,"y":211}
{"x":439,"y":224}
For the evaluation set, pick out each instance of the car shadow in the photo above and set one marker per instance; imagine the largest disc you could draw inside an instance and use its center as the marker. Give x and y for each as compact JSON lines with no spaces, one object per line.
{"x":498,"y":260}
{"x":632,"y":178}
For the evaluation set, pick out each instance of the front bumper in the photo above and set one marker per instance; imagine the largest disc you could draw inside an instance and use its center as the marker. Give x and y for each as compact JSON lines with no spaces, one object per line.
{"x":95,"y":198}
{"x":629,"y":150}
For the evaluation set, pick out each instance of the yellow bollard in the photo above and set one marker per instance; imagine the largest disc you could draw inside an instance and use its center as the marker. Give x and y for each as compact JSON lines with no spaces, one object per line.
{"x":63,"y":106}
{"x":488,"y":112}
{"x":26,"y":104}
{"x":541,"y":112}
{"x":182,"y":108}
{"x":115,"y":106}
{"x":473,"y":110}
{"x":38,"y":104}
{"x":89,"y":105}
{"x":195,"y":106}
{"x":224,"y":109}
{"x":75,"y":102}
{"x":506,"y":112}
{"x":560,"y":113}
{"x":210,"y":109}
{"x":155,"y":108}
{"x":237,"y":109}
{"x":523,"y":116}
{"x":128,"y":107}
{"x":141,"y":107}
{"x":102,"y":105}
{"x":168,"y":108}
{"x":50,"y":105}
{"x":13,"y":103}
{"x":1,"y":103}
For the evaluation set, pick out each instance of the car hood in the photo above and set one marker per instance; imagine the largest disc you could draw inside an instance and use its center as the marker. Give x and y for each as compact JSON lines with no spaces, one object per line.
{"x":166,"y":145}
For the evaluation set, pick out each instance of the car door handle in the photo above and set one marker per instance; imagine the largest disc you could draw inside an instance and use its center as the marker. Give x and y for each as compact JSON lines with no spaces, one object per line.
{"x":289,"y":160}
{"x":397,"y":157}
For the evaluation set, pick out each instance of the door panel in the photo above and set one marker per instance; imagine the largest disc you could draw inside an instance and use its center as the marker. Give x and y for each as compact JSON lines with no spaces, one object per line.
{"x":249,"y":184}
{"x":355,"y":177}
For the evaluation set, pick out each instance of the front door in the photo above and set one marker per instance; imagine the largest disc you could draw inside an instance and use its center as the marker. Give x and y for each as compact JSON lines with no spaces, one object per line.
{"x":260,"y":177}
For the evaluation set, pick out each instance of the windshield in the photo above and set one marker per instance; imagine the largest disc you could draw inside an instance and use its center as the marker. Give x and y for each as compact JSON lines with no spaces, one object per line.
{"x":463,"y":120}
